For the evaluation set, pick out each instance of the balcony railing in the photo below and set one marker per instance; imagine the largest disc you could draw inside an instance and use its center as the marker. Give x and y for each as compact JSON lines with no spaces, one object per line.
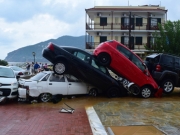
{"x":120,"y":26}
{"x":93,"y":45}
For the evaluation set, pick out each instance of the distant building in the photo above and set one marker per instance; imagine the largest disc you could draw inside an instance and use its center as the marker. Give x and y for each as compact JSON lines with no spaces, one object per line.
{"x":121,"y":22}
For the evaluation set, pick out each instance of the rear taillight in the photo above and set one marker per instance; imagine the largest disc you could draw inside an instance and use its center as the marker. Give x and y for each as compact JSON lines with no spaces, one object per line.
{"x":51,"y":47}
{"x":158,"y":67}
{"x":20,"y":73}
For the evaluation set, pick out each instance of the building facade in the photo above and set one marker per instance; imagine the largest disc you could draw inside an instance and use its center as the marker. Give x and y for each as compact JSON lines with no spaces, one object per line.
{"x":131,"y":25}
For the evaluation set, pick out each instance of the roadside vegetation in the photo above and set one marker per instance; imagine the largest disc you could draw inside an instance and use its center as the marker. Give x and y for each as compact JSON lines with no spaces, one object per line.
{"x":3,"y":63}
{"x":167,"y":39}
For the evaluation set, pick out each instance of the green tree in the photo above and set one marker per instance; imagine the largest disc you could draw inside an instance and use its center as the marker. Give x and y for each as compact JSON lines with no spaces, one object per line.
{"x":167,"y":40}
{"x":3,"y":63}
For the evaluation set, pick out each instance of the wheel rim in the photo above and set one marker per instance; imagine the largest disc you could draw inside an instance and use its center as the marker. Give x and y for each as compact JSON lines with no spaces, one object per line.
{"x":60,"y":68}
{"x":168,"y":86}
{"x":45,"y":97}
{"x":104,"y":59}
{"x":146,"y":92}
{"x":93,"y":93}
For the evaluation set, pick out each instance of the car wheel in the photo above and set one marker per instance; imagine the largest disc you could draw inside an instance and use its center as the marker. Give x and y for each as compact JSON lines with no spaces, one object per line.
{"x":113,"y":92}
{"x":60,"y":67}
{"x":104,"y":59}
{"x":146,"y":92}
{"x":45,"y":97}
{"x":93,"y":92}
{"x":168,"y":86}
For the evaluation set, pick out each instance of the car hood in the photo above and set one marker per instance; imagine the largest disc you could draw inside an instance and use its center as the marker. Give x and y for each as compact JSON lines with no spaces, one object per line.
{"x":26,"y":81}
{"x":8,"y":80}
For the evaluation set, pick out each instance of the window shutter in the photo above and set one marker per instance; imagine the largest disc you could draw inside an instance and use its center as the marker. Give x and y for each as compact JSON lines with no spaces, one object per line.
{"x":122,"y":40}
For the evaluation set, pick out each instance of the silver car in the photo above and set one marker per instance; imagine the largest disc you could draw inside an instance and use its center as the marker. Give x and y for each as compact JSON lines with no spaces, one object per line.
{"x":20,"y":72}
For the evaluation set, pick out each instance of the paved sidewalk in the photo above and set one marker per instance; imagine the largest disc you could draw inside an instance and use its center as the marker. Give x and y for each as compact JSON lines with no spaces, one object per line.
{"x":42,"y":119}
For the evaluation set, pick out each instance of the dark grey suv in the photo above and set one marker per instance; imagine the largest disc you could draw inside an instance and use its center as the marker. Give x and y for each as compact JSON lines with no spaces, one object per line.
{"x":165,"y":69}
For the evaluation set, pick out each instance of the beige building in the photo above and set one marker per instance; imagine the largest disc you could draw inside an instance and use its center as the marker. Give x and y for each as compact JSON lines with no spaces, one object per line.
{"x":121,"y":22}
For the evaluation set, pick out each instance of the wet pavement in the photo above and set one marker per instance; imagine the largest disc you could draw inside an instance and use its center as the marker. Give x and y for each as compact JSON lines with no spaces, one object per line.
{"x":18,"y":118}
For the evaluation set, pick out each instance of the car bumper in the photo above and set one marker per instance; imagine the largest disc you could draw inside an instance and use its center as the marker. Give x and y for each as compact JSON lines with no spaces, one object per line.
{"x":156,"y":76}
{"x":49,"y":55}
{"x":22,"y":93}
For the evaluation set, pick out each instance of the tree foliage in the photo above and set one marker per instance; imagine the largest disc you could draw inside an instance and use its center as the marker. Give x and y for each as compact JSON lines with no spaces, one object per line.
{"x":167,"y":40}
{"x":3,"y":63}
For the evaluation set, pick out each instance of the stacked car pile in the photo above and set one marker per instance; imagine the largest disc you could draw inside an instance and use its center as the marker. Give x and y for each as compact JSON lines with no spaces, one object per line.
{"x":133,"y":74}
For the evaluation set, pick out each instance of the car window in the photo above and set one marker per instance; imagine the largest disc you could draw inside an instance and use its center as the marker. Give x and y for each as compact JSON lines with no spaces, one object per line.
{"x":177,"y":62}
{"x":124,"y":51}
{"x":16,"y":68}
{"x":45,"y":78}
{"x":82,"y":56}
{"x":138,"y":63}
{"x":71,"y":78}
{"x":97,"y":66}
{"x":6,"y":72}
{"x":38,"y":76}
{"x":56,"y":78}
{"x":167,"y":60}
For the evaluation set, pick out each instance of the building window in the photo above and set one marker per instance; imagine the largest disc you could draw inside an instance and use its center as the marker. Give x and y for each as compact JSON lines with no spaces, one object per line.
{"x":139,"y":22}
{"x":155,"y":21}
{"x":103,"y":21}
{"x":126,"y":21}
{"x":103,"y":39}
{"x":138,"y":40}
{"x":126,"y":40}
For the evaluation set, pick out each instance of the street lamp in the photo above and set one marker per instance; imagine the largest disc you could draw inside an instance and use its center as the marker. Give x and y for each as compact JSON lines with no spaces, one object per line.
{"x":34,"y":54}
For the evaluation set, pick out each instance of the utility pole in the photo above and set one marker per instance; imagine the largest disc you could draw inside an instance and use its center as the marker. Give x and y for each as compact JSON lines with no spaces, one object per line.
{"x":129,"y":30}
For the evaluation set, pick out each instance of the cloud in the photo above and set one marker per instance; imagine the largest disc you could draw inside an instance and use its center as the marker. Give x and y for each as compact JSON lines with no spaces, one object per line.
{"x":27,"y":22}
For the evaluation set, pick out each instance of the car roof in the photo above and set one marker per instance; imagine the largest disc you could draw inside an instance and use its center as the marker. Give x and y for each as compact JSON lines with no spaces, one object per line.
{"x":74,"y":48}
{"x":4,"y":66}
{"x":153,"y":55}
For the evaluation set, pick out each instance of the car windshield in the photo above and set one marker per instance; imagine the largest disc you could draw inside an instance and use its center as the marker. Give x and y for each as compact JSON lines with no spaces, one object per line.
{"x":6,"y":72}
{"x":16,"y":68}
{"x":98,"y":66}
{"x":38,"y":76}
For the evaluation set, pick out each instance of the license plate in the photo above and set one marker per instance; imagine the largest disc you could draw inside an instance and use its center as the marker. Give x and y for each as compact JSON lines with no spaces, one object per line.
{"x":1,"y":93}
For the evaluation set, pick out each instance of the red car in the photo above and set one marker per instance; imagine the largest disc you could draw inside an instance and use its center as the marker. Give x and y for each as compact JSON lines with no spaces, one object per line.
{"x":132,"y":71}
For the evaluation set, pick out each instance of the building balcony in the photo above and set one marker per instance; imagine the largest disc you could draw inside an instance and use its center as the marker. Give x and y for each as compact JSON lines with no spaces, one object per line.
{"x":120,"y":26}
{"x":132,"y":46}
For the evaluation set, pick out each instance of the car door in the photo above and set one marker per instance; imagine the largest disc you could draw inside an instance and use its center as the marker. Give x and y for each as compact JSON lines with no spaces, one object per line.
{"x":57,"y":84}
{"x":42,"y":85}
{"x":75,"y":86}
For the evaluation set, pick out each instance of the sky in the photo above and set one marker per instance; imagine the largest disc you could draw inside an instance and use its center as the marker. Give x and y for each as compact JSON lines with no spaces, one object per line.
{"x":27,"y":22}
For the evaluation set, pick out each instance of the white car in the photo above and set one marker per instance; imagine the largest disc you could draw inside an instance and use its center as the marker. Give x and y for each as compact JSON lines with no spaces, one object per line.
{"x":8,"y":84}
{"x":46,"y":83}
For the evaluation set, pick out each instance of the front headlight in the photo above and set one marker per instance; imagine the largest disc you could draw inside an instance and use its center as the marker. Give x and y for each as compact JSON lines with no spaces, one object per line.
{"x":14,"y":84}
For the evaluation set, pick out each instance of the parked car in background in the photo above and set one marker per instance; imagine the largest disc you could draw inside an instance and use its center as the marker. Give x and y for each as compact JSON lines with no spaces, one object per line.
{"x":46,"y":83}
{"x":82,"y":65}
{"x":22,"y":73}
{"x":165,"y":69}
{"x":8,"y":84}
{"x":126,"y":64}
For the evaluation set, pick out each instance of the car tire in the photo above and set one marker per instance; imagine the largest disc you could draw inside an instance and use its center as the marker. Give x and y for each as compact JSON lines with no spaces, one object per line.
{"x":45,"y":97}
{"x":104,"y":59}
{"x":60,"y":67}
{"x":112,"y":92}
{"x":93,"y":92}
{"x":167,"y":86}
{"x":146,"y":92}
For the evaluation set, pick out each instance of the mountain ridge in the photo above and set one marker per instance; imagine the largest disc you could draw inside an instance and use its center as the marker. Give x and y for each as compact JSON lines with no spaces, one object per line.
{"x":24,"y":54}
